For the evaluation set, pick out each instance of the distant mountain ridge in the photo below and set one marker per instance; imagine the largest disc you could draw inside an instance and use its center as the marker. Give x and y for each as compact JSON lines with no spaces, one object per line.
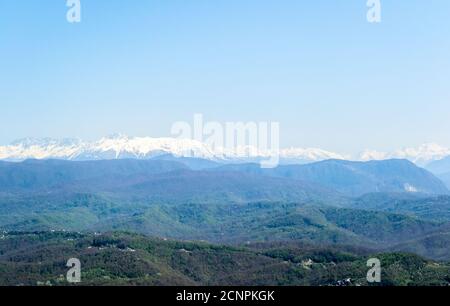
{"x":355,"y":178}
{"x":234,"y":203}
{"x":120,"y":147}
{"x":154,"y":180}
{"x":193,"y":176}
{"x":422,"y":155}
{"x":440,"y":167}
{"x":123,"y":147}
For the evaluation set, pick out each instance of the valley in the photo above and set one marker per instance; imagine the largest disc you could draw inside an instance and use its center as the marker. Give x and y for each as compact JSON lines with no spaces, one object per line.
{"x":239,"y":212}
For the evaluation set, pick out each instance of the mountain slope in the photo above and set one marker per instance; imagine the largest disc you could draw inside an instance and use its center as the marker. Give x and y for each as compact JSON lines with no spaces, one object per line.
{"x":440,"y":166}
{"x":434,"y":245}
{"x":165,"y":198}
{"x":129,"y":259}
{"x":445,"y":178}
{"x":356,"y":178}
{"x":436,"y":208}
{"x":37,"y":174}
{"x":223,"y":222}
{"x":154,"y":181}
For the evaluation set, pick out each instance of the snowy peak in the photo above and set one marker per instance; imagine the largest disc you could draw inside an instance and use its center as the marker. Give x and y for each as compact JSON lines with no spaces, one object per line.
{"x":145,"y":147}
{"x":112,"y":147}
{"x":421,"y":155}
{"x":297,"y":155}
{"x":40,"y":149}
{"x":425,"y":153}
{"x":120,"y":146}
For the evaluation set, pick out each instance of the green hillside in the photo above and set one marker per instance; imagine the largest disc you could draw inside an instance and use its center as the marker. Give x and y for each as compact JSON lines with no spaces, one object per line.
{"x":131,"y":259}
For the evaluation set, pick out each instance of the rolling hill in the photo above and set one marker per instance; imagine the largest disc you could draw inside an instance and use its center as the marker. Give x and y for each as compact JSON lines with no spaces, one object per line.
{"x":232,"y":204}
{"x":130,"y":259}
{"x":435,"y":208}
{"x":355,"y":178}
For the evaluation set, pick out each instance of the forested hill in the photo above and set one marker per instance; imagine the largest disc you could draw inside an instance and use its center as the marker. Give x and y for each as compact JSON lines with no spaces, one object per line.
{"x":130,"y":259}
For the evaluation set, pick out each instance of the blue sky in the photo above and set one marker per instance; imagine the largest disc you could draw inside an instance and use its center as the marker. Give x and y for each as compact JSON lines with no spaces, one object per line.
{"x":329,"y":77}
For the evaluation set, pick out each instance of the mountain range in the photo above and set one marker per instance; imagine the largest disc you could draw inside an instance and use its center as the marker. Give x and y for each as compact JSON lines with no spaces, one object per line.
{"x":441,"y":168}
{"x":122,"y":147}
{"x":355,"y":178}
{"x":182,"y":190}
{"x":333,"y":177}
{"x":326,"y":202}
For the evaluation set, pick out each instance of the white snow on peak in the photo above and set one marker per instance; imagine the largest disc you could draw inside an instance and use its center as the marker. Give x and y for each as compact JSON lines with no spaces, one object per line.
{"x":424,"y":153}
{"x":40,"y":149}
{"x":142,"y":147}
{"x":122,"y":146}
{"x":421,"y":155}
{"x":373,"y":155}
{"x":310,"y":154}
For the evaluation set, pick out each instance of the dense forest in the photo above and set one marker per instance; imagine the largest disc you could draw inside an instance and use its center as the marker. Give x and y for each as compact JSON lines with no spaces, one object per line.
{"x":293,"y":225}
{"x":39,"y":258}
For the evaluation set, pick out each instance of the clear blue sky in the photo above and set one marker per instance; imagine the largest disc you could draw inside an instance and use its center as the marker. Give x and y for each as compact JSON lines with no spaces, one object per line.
{"x":318,"y":67}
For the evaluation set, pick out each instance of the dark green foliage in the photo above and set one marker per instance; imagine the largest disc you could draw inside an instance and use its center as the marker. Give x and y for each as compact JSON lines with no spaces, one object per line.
{"x":226,"y":206}
{"x":218,"y":222}
{"x":39,"y":258}
{"x":436,"y":208}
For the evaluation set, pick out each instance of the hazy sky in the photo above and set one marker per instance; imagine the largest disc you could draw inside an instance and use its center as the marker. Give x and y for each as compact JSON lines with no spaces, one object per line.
{"x":329,"y":77}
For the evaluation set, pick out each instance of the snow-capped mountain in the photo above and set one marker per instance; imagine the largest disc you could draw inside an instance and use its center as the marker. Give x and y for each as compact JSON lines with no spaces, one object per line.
{"x":44,"y":148}
{"x":120,"y":146}
{"x":299,"y":155}
{"x":421,"y":155}
{"x":113,"y":147}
